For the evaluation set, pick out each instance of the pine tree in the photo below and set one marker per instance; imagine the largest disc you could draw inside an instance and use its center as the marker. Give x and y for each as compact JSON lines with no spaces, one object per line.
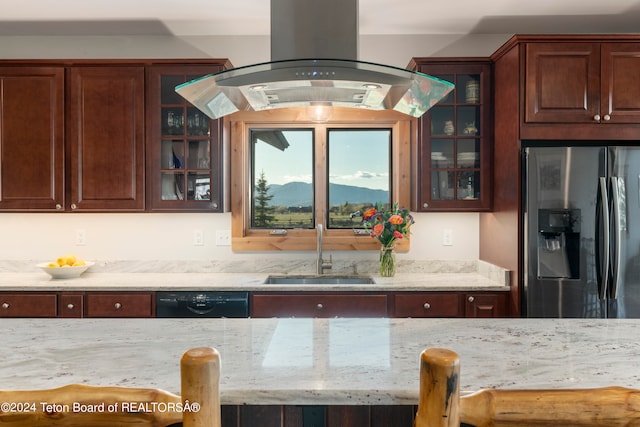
{"x":261,"y":210}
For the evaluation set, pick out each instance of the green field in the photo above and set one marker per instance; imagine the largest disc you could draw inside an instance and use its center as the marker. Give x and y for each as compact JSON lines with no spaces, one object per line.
{"x":339,"y":217}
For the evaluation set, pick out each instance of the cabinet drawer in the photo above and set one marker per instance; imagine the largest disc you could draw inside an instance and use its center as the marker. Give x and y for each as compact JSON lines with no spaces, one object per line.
{"x":70,"y":305}
{"x":318,"y":305}
{"x":119,"y":305}
{"x":28,"y":305}
{"x":426,"y":305}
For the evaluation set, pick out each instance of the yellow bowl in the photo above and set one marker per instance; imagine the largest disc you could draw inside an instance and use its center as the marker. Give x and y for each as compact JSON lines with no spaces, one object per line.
{"x":65,"y":272}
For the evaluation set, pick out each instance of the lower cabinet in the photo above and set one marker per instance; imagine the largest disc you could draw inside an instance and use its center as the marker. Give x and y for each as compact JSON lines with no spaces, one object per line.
{"x":119,"y":304}
{"x":318,"y":416}
{"x":77,"y":304}
{"x":382,"y":304}
{"x":28,"y":305}
{"x":321,"y":304}
{"x":486,"y":305}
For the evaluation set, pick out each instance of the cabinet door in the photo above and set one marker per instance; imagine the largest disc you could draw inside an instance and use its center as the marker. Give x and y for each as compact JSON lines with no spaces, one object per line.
{"x":119,"y":304}
{"x":318,"y":305}
{"x":486,"y":305}
{"x":431,"y":304}
{"x":454,"y":145}
{"x":28,"y":305}
{"x":31,"y":138}
{"x":562,"y":83}
{"x":620,"y":84}
{"x":184,"y":148}
{"x":106,"y":138}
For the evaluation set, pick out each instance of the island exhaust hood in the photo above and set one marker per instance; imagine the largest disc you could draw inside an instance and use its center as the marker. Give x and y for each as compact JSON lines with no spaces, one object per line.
{"x":314,"y":49}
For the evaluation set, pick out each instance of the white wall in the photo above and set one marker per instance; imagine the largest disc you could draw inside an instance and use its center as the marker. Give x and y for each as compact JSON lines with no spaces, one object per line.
{"x":170,"y":236}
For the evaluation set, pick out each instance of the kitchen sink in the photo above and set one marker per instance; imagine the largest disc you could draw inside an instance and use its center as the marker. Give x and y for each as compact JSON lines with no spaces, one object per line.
{"x":319,"y":279}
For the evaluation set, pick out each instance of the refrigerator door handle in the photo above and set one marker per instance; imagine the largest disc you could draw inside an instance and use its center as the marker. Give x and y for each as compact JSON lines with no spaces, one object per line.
{"x":602,"y":292}
{"x":615,"y":189}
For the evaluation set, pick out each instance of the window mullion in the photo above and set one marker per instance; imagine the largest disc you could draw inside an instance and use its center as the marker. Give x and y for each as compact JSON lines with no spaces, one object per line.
{"x":320,"y":179}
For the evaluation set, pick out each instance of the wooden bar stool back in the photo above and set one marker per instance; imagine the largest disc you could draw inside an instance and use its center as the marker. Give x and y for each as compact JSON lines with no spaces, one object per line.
{"x":440,"y":404}
{"x":79,"y":405}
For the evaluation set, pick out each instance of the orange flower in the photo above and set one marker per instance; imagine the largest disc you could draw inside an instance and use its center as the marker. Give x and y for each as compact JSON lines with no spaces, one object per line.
{"x":396,"y":219}
{"x":369,"y":213}
{"x":377,"y":229}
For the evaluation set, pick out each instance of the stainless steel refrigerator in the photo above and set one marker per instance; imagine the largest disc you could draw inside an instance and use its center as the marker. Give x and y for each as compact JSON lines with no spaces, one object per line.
{"x":581,"y":231}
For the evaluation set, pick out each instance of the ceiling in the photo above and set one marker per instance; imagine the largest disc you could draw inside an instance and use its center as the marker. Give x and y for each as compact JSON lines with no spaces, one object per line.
{"x":251,"y":17}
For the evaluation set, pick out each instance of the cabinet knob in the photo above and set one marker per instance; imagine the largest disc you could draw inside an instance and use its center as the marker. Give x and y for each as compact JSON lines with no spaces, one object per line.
{"x":319,"y":306}
{"x":471,"y":299}
{"x":427,"y":306}
{"x":117,"y":306}
{"x":5,"y":305}
{"x":73,"y":206}
{"x":425,"y":205}
{"x":607,"y":117}
{"x":71,"y":306}
{"x":596,"y":117}
{"x":58,"y":206}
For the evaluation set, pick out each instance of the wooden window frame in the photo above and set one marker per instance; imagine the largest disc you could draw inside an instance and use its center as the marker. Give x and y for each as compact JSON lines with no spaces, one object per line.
{"x":244,"y":239}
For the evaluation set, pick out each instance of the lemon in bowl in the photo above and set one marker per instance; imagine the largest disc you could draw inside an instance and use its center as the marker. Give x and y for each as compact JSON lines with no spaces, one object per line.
{"x":65,"y":267}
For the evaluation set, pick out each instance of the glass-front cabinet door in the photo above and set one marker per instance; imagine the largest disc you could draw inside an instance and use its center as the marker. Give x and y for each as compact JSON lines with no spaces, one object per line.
{"x":184,"y":150}
{"x":454,"y":144}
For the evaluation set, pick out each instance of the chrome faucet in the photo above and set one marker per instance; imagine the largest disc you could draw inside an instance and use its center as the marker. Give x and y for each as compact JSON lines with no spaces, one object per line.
{"x":321,"y":264}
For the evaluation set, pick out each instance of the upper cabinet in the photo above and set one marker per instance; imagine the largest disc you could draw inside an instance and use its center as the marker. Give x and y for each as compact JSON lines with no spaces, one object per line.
{"x":452,"y":167}
{"x":582,"y":82}
{"x":31,"y":138}
{"x":184,"y":146}
{"x":105,"y":138}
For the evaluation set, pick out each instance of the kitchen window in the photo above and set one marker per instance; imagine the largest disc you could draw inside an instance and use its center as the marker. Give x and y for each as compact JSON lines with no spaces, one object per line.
{"x":288,"y":175}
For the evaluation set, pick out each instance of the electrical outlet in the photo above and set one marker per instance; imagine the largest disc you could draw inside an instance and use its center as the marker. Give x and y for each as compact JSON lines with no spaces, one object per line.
{"x":223,"y":237}
{"x":198,"y":238}
{"x":81,"y":238}
{"x":447,"y":237}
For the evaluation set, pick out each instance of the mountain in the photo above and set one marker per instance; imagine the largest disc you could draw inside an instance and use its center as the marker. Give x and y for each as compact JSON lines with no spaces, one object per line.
{"x":301,"y":194}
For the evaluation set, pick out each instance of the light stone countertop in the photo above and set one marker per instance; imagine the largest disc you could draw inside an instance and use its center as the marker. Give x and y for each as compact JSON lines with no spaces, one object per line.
{"x":320,"y":361}
{"x":237,"y":282}
{"x":430,"y":276}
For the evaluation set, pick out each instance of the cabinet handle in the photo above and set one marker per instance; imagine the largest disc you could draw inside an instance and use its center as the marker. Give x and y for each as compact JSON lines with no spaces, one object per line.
{"x":71,"y":306}
{"x":425,"y":205}
{"x":5,"y":305}
{"x":427,"y":306}
{"x":117,"y":306}
{"x":596,"y":117}
{"x":319,"y":306}
{"x":607,"y":117}
{"x":73,"y":206}
{"x":58,"y":206}
{"x":471,"y":299}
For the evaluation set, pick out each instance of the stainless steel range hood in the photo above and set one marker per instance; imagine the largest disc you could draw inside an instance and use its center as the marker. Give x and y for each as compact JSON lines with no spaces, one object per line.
{"x":314,"y":62}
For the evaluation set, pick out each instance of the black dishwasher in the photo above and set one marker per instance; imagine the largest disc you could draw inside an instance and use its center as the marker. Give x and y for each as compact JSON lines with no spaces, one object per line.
{"x":181,"y":304}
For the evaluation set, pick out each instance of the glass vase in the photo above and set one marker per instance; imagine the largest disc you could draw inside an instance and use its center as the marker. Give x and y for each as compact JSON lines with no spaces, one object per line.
{"x":387,"y":261}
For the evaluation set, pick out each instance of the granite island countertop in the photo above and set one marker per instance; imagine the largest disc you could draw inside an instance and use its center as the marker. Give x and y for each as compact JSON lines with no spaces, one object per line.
{"x":320,"y":361}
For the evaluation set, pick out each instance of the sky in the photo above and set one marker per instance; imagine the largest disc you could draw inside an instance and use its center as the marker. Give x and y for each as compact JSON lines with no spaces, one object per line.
{"x":359,"y":158}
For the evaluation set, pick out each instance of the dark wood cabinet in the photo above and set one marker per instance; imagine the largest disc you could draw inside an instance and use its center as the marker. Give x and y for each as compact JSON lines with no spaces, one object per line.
{"x":452,"y":166}
{"x":28,"y":305}
{"x":184,"y":146}
{"x":70,"y":304}
{"x":31,"y":138}
{"x":485,"y":305}
{"x":105,"y":138}
{"x":426,"y":304}
{"x":325,"y":304}
{"x":113,"y":304}
{"x":582,"y":82}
